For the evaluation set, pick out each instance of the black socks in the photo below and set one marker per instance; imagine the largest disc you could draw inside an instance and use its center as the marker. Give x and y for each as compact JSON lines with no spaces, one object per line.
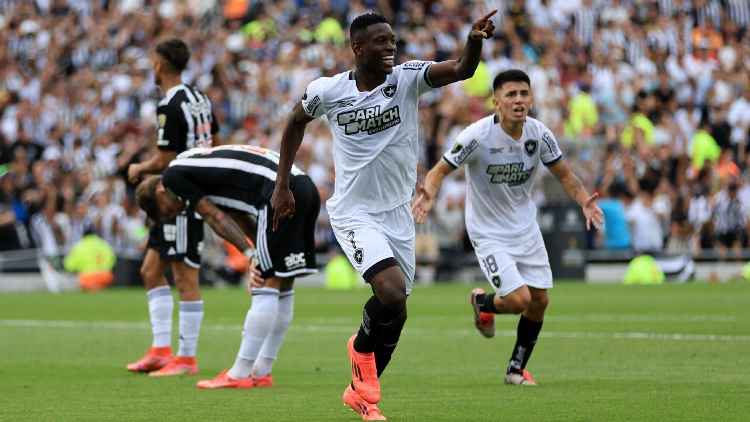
{"x":486,"y":303}
{"x":379,"y":332}
{"x":388,"y":335}
{"x":371,"y":316}
{"x":527,"y":334}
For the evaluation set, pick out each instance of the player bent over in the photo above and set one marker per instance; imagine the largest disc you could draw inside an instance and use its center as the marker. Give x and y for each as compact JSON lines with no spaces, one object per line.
{"x":501,"y":154}
{"x":228,"y":186}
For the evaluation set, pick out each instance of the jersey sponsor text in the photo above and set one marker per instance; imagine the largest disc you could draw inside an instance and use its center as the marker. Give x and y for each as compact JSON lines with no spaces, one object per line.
{"x":369,"y":120}
{"x":512,"y":174}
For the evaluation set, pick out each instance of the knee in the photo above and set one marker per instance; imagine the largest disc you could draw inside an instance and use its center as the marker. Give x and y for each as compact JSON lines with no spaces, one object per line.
{"x":518,"y":301}
{"x":187,"y":288}
{"x":395,"y":300}
{"x":539,"y":301}
{"x":150,"y":276}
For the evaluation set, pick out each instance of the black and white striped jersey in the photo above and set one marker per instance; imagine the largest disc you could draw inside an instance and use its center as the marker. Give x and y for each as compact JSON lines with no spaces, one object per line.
{"x":185,"y":120}
{"x":237,"y":177}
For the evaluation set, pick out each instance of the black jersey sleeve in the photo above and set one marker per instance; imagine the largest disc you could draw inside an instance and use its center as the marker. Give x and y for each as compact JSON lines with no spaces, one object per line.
{"x":173,"y":129}
{"x":180,"y":181}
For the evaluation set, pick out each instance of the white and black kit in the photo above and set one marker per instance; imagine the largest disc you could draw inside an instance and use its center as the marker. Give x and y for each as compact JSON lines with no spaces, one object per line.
{"x":242,"y":178}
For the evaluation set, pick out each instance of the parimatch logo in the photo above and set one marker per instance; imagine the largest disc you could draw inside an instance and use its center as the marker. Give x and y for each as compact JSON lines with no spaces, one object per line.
{"x":511,"y":174}
{"x":370,"y":120}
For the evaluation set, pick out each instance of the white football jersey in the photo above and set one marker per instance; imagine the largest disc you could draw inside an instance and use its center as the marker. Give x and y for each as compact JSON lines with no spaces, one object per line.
{"x":500,"y":174}
{"x":375,"y":137}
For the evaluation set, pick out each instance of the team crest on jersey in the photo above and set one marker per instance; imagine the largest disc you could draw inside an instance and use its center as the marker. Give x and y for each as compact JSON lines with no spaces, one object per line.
{"x":512,"y":174}
{"x":162,"y":118}
{"x":530,"y":146}
{"x":389,"y":91}
{"x":369,"y":120}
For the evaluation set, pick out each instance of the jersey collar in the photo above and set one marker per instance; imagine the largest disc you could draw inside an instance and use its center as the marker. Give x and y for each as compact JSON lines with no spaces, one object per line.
{"x":173,"y":90}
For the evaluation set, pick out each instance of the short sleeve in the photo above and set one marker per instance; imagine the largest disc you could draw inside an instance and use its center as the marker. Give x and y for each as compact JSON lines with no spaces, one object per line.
{"x":178,"y":180}
{"x":312,"y":100}
{"x":418,"y":72}
{"x":463,"y":146}
{"x":172,"y":131}
{"x":550,"y":153}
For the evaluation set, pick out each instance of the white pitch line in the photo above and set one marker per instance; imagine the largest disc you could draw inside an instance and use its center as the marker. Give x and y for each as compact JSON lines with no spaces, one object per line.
{"x":627,"y":335}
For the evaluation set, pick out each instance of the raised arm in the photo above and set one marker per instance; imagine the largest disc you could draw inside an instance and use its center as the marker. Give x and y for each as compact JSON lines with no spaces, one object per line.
{"x":449,"y":71}
{"x":427,"y":193}
{"x":282,"y":200}
{"x":575,"y":190}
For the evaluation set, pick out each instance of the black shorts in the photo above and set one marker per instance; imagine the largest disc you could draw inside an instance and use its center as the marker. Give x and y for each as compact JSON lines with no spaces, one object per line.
{"x":180,"y":239}
{"x":290,"y":250}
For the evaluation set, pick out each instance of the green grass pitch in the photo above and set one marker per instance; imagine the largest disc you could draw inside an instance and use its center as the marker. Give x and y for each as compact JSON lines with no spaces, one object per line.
{"x":606,"y":353}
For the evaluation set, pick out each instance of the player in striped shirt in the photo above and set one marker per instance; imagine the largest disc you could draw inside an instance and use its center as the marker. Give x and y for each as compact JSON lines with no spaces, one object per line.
{"x":230,"y":187}
{"x":185,"y":120}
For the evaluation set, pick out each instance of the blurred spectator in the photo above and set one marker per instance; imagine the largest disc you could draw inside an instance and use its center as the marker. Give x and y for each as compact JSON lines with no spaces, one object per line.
{"x":705,"y":149}
{"x":616,"y":229}
{"x":668,"y":80}
{"x":92,"y":259}
{"x":729,"y":219}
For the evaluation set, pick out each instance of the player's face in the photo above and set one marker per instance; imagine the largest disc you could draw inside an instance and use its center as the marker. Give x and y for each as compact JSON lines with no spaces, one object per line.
{"x":513,"y":101}
{"x":376,"y":48}
{"x":169,"y":206}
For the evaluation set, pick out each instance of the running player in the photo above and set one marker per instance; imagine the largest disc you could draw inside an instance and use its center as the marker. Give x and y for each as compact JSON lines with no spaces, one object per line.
{"x":185,"y":120}
{"x":239,"y":179}
{"x":373,"y":116}
{"x":501,"y":154}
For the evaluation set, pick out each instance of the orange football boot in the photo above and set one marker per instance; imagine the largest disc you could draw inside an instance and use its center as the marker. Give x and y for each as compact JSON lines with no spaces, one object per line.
{"x":368,"y":411}
{"x":263,"y":382}
{"x":154,"y":359}
{"x":180,"y":365}
{"x":364,"y":373}
{"x":223,"y":380}
{"x":484,"y":321}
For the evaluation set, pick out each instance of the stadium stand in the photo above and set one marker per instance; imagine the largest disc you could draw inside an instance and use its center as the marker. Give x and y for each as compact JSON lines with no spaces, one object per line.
{"x":651,"y":99}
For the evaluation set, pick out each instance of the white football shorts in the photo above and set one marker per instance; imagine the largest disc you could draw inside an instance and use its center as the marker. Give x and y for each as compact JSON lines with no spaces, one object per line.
{"x":368,"y":238}
{"x":508,"y":268}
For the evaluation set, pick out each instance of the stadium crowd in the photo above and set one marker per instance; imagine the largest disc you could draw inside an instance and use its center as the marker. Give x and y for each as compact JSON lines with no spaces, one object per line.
{"x":651,"y":99}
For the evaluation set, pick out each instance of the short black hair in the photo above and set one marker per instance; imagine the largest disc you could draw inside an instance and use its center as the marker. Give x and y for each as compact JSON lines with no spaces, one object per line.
{"x":361,"y":22}
{"x":512,"y":75}
{"x":175,"y":52}
{"x":145,"y":196}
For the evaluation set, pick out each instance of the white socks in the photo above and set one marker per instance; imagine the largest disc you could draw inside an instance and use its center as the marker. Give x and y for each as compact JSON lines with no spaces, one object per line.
{"x":275,"y":338}
{"x":260,"y":325}
{"x":191,"y":315}
{"x":160,"y":307}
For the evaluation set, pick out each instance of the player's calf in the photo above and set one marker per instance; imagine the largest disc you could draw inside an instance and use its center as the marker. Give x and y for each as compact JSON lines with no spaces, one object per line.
{"x":389,"y":333}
